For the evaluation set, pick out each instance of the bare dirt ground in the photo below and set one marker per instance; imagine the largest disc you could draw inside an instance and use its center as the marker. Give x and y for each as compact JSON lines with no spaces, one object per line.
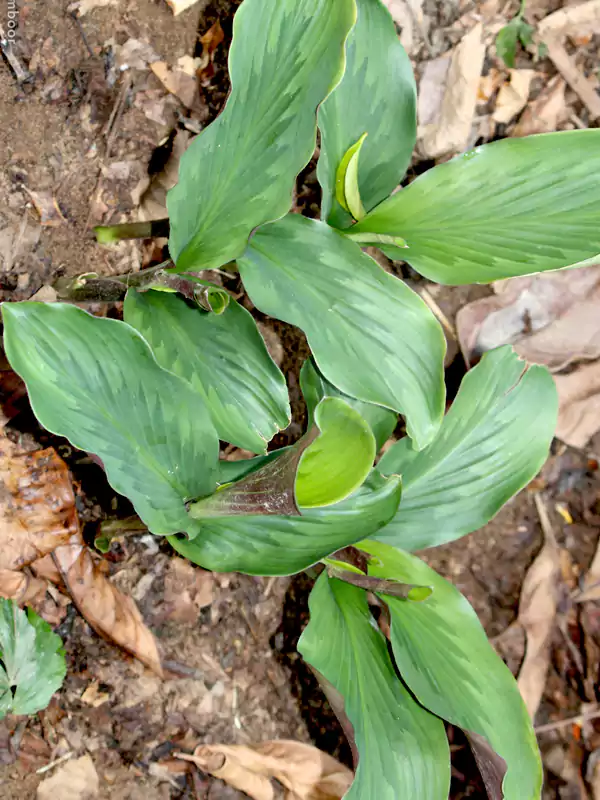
{"x":94,"y":130}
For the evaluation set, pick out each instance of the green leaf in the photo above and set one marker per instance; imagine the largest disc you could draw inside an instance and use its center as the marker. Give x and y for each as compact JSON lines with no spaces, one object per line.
{"x":33,"y":663}
{"x":403,"y":748}
{"x":509,"y":208}
{"x":377,"y":96}
{"x":96,"y":382}
{"x":445,"y":658}
{"x":283,"y":545}
{"x":315,"y":387}
{"x":340,"y":458}
{"x":223,"y":357}
{"x":493,"y":441}
{"x":286,"y":56}
{"x":347,"y":192}
{"x":506,"y":43}
{"x":370,"y":335}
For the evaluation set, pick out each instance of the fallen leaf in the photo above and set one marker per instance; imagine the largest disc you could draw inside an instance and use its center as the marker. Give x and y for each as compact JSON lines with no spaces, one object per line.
{"x":537,"y":612}
{"x":550,"y":319}
{"x":108,"y":611}
{"x":177,"y":6}
{"x":37,"y":504}
{"x":547,"y":112}
{"x":135,"y":54}
{"x":187,"y":590}
{"x":409,"y":17}
{"x":572,"y":19}
{"x":512,"y":97}
{"x":450,"y":133}
{"x":213,"y":37}
{"x":45,"y":204}
{"x":304,"y":771}
{"x":579,"y":405}
{"x":489,"y":84}
{"x":178,"y":82}
{"x":584,"y":87}
{"x":92,"y":696}
{"x":75,"y":780}
{"x":432,"y":88}
{"x":591,"y":581}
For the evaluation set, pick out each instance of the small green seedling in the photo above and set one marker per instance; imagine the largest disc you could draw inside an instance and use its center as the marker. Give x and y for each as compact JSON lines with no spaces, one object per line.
{"x":32,"y":661}
{"x":154,"y":395}
{"x":517,"y":30}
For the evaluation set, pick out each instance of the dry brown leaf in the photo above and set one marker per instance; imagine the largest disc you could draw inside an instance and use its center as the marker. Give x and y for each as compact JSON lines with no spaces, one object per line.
{"x":75,"y":780}
{"x":489,"y":84}
{"x":512,"y":97}
{"x":92,"y":696}
{"x":579,"y":404}
{"x":177,"y":6}
{"x":210,"y":41}
{"x":37,"y":504}
{"x":572,"y":19}
{"x":108,"y":611}
{"x":304,"y":771}
{"x":584,"y":87}
{"x":451,"y":131}
{"x":179,"y":81}
{"x":547,"y":112}
{"x":537,"y":612}
{"x":187,"y":590}
{"x":550,"y":319}
{"x":408,"y":16}
{"x":47,"y":208}
{"x":83,"y":7}
{"x":591,"y":581}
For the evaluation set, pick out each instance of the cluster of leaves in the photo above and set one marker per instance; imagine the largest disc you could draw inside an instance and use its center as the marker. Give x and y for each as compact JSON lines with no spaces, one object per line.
{"x":153,"y":395}
{"x":32,"y":661}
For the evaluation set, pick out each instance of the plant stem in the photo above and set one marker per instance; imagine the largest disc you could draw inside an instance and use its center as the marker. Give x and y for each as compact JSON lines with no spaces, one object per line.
{"x":106,"y":234}
{"x":91,"y":287}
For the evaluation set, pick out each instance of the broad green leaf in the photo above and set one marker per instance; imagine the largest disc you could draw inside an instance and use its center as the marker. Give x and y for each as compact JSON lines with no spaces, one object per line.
{"x":96,"y":382}
{"x":370,"y":335}
{"x":339,"y":459}
{"x":403,"y":750}
{"x":493,"y":441}
{"x":283,"y":545}
{"x":32,"y":660}
{"x":376,"y":96}
{"x":223,"y":357}
{"x":445,"y":659}
{"x":315,"y":387}
{"x":286,"y":56}
{"x":509,"y":208}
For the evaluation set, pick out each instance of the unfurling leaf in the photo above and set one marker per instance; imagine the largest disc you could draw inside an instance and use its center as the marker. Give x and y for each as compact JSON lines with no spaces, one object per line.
{"x":492,"y":442}
{"x":315,"y":387}
{"x":339,"y":459}
{"x":376,"y":97}
{"x":403,"y":751}
{"x":509,"y":208}
{"x":32,"y":662}
{"x":223,"y":357}
{"x":286,"y":56}
{"x":447,"y":662}
{"x":370,"y":335}
{"x":96,"y":382}
{"x":282,"y":545}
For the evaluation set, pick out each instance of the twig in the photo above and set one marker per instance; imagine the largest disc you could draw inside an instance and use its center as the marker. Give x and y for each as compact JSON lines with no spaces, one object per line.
{"x":54,"y":763}
{"x":75,"y":17}
{"x":21,"y":74}
{"x":564,"y":723}
{"x":438,"y":313}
